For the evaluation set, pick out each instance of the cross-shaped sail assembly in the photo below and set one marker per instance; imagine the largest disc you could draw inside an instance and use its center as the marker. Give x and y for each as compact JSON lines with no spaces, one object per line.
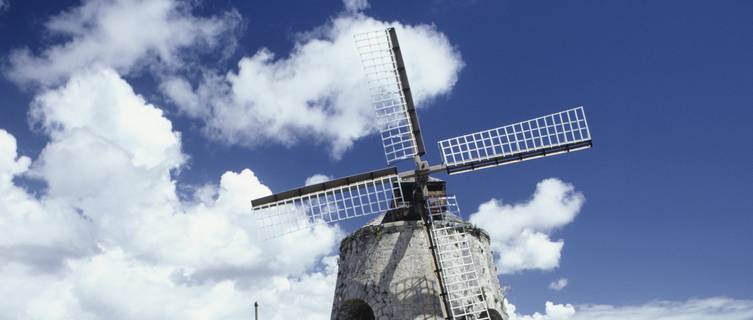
{"x":380,"y":191}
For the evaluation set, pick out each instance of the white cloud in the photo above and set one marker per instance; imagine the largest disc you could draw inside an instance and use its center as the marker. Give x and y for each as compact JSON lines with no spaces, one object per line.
{"x":317,"y":92}
{"x":10,"y":163}
{"x":140,"y":128}
{"x":559,"y":284}
{"x":520,"y":233}
{"x":113,"y":285}
{"x":317,"y":178}
{"x":39,"y":233}
{"x":125,"y":35}
{"x":355,"y":5}
{"x":110,"y":239}
{"x":552,"y":312}
{"x":4,"y":5}
{"x":708,"y":308}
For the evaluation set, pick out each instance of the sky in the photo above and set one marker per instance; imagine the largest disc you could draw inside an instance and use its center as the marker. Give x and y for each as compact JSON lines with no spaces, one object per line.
{"x":133,"y":135}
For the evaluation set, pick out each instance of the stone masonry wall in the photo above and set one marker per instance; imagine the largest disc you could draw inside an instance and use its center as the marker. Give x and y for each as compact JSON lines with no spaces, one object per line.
{"x":390,"y":267}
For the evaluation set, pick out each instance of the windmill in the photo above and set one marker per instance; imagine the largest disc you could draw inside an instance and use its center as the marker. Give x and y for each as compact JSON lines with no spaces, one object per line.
{"x":407,"y":193}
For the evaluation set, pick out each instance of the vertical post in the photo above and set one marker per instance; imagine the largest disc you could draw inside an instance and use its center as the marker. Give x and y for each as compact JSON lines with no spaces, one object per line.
{"x":403,"y":79}
{"x":256,"y":310}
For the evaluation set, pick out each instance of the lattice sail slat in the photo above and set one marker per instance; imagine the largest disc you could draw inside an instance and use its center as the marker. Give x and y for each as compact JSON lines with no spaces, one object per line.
{"x":551,"y":134}
{"x":389,"y":95}
{"x":340,"y":202}
{"x":460,"y":277}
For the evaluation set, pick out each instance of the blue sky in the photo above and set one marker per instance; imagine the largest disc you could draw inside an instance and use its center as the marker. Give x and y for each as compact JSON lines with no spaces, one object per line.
{"x":666,"y":86}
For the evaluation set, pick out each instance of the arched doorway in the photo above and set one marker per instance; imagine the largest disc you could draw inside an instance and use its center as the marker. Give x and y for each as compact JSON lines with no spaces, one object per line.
{"x":355,"y":309}
{"x":494,"y":315}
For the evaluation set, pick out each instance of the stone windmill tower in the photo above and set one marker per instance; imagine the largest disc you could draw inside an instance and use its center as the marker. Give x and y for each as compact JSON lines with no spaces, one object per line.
{"x":418,"y":259}
{"x":387,"y":269}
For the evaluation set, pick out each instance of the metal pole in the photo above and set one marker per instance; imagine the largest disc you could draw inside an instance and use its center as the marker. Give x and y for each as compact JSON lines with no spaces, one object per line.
{"x":256,"y":310}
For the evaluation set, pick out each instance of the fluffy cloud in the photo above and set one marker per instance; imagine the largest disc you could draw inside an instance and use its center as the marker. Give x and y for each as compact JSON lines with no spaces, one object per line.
{"x":10,"y":163}
{"x":110,"y":238}
{"x":39,"y":233}
{"x":552,"y":312}
{"x":318,"y":91}
{"x":114,"y":34}
{"x":112,"y":285}
{"x":520,"y":233}
{"x":559,"y":284}
{"x":709,"y":308}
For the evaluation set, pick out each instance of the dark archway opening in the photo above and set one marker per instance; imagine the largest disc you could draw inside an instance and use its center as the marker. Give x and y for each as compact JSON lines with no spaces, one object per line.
{"x":355,"y":309}
{"x":494,"y":315}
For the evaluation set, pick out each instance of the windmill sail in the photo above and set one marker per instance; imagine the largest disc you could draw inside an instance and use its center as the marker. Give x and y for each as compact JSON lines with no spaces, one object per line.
{"x":327,"y":202}
{"x":544,"y":136}
{"x":391,"y":95}
{"x":460,"y":277}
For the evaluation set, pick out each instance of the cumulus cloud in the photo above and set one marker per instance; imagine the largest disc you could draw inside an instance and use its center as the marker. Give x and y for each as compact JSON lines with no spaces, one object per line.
{"x":39,"y":233}
{"x":552,"y":312}
{"x":317,"y":92}
{"x":110,"y":238}
{"x":10,"y":162}
{"x":126,"y":35}
{"x":708,"y":308}
{"x":520,"y":233}
{"x":317,"y":178}
{"x":559,"y":284}
{"x":113,"y":285}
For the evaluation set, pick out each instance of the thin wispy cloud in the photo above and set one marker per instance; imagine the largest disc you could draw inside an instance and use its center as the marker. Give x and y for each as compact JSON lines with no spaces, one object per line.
{"x":692,"y":309}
